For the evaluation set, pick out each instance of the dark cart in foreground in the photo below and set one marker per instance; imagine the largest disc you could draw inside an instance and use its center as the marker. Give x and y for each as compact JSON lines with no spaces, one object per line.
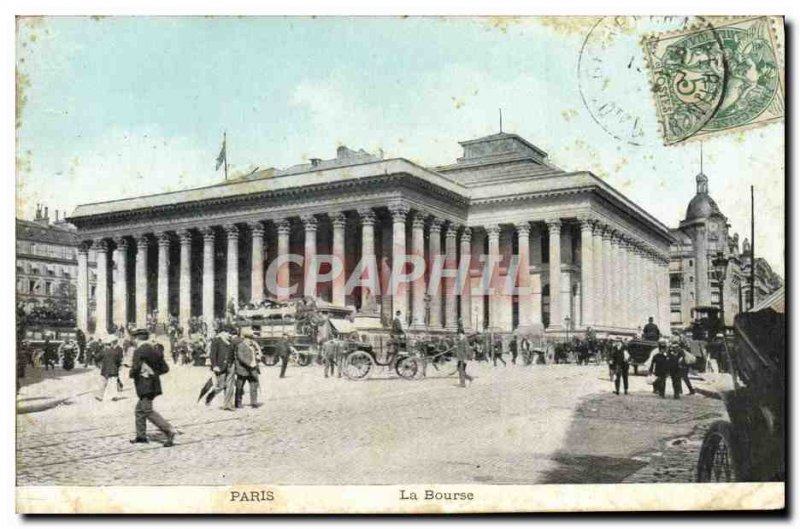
{"x":640,"y":351}
{"x":750,"y":447}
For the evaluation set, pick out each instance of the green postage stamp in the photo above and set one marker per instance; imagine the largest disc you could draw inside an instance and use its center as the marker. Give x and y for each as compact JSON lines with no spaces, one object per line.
{"x":719,"y":76}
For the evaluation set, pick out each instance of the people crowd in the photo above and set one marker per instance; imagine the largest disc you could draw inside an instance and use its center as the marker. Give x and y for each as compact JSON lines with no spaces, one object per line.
{"x":233,"y":356}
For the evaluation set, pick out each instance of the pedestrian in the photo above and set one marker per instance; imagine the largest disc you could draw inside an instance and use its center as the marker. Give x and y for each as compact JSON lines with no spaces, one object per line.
{"x":284,"y":349}
{"x":109,"y":371}
{"x":50,"y":355}
{"x":620,"y":360}
{"x":685,"y":361}
{"x":674,"y":362}
{"x":147,"y":367}
{"x":80,"y":337}
{"x":247,"y":354}
{"x":221,"y":353}
{"x":659,"y":366}
{"x":330,"y":353}
{"x":463,"y":354}
{"x":513,"y":346}
{"x":497,"y":351}
{"x":398,"y":332}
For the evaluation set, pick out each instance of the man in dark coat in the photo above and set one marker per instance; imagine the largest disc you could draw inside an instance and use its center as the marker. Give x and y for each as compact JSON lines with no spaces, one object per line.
{"x":659,"y":366}
{"x":221,"y":355}
{"x":463,"y":354}
{"x":620,"y":363}
{"x":247,"y":354}
{"x":650,"y":331}
{"x":80,"y":337}
{"x":50,"y":355}
{"x":146,"y":368}
{"x":283,"y":349}
{"x":109,"y":371}
{"x":497,"y":351}
{"x":675,"y":361}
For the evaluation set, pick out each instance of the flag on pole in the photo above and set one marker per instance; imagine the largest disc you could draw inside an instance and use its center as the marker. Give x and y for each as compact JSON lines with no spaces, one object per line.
{"x":222,"y":158}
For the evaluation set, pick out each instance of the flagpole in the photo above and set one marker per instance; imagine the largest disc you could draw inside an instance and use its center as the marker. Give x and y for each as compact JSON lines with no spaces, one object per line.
{"x":225,"y":146}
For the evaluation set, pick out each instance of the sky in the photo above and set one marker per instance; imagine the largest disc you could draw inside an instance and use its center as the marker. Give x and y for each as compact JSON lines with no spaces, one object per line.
{"x":118,"y":107}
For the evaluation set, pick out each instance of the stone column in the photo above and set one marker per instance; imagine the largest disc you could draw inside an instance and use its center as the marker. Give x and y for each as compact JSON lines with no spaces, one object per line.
{"x":121,"y":282}
{"x":208,"y":277}
{"x":310,"y":271}
{"x":639,"y":302}
{"x":598,"y":279}
{"x":450,"y":263}
{"x":495,"y":283}
{"x":608,"y":277}
{"x":524,"y":296}
{"x":466,"y":290}
{"x":554,"y":232}
{"x":82,"y":287}
{"x":587,"y":271}
{"x":625,"y":284}
{"x":162,"y":293}
{"x":339,"y":222}
{"x":282,"y":276}
{"x":418,"y":286}
{"x":399,"y":291}
{"x":101,"y":295}
{"x":257,"y":263}
{"x":185,"y":281}
{"x":368,"y":256}
{"x":141,"y":280}
{"x":434,"y":250}
{"x":232,"y":268}
{"x":616,"y":280}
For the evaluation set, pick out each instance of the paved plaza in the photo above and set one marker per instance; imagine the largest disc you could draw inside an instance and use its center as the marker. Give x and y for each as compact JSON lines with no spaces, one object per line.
{"x":513,"y":425}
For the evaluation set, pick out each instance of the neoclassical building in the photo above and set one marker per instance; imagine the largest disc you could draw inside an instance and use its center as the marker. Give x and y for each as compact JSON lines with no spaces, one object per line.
{"x":578,"y":251}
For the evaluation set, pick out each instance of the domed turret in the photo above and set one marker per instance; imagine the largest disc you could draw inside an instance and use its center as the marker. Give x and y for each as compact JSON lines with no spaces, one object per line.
{"x":702,"y":205}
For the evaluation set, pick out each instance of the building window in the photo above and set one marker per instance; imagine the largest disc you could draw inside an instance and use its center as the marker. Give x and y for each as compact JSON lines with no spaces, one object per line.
{"x":691,"y":279}
{"x":675,"y":299}
{"x":675,"y":317}
{"x":674,"y":281}
{"x":691,"y":263}
{"x":48,"y":288}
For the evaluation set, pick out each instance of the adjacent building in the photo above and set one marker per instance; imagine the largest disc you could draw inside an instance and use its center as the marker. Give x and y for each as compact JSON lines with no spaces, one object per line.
{"x":580,"y":252}
{"x":702,"y":248}
{"x":47,"y":262}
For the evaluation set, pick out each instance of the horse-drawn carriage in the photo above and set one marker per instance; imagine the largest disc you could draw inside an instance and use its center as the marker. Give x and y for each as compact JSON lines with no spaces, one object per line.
{"x":409,"y":357}
{"x":751,"y":446}
{"x":306,"y":321}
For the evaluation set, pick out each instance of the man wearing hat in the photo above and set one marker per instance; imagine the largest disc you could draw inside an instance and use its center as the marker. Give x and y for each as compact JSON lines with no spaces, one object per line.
{"x":620,"y":363}
{"x":283,"y":349}
{"x":222,"y":357}
{"x":146,"y":368}
{"x":651,"y":332}
{"x":659,"y":366}
{"x":247,"y":354}
{"x":463,"y":355}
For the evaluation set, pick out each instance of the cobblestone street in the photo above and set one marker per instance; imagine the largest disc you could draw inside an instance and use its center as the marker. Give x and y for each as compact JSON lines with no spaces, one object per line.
{"x":515,"y":424}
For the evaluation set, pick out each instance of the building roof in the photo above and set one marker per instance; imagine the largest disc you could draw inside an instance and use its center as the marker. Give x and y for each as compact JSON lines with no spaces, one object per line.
{"x":52,"y":233}
{"x":775,"y":301}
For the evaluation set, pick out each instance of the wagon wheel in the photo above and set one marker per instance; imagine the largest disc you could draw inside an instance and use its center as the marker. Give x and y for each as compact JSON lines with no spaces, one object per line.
{"x":445,"y":363}
{"x":357,"y":365}
{"x":406,"y":367}
{"x":720,"y":458}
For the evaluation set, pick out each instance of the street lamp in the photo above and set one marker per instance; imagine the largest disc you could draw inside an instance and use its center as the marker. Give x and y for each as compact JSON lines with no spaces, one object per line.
{"x":720,"y":264}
